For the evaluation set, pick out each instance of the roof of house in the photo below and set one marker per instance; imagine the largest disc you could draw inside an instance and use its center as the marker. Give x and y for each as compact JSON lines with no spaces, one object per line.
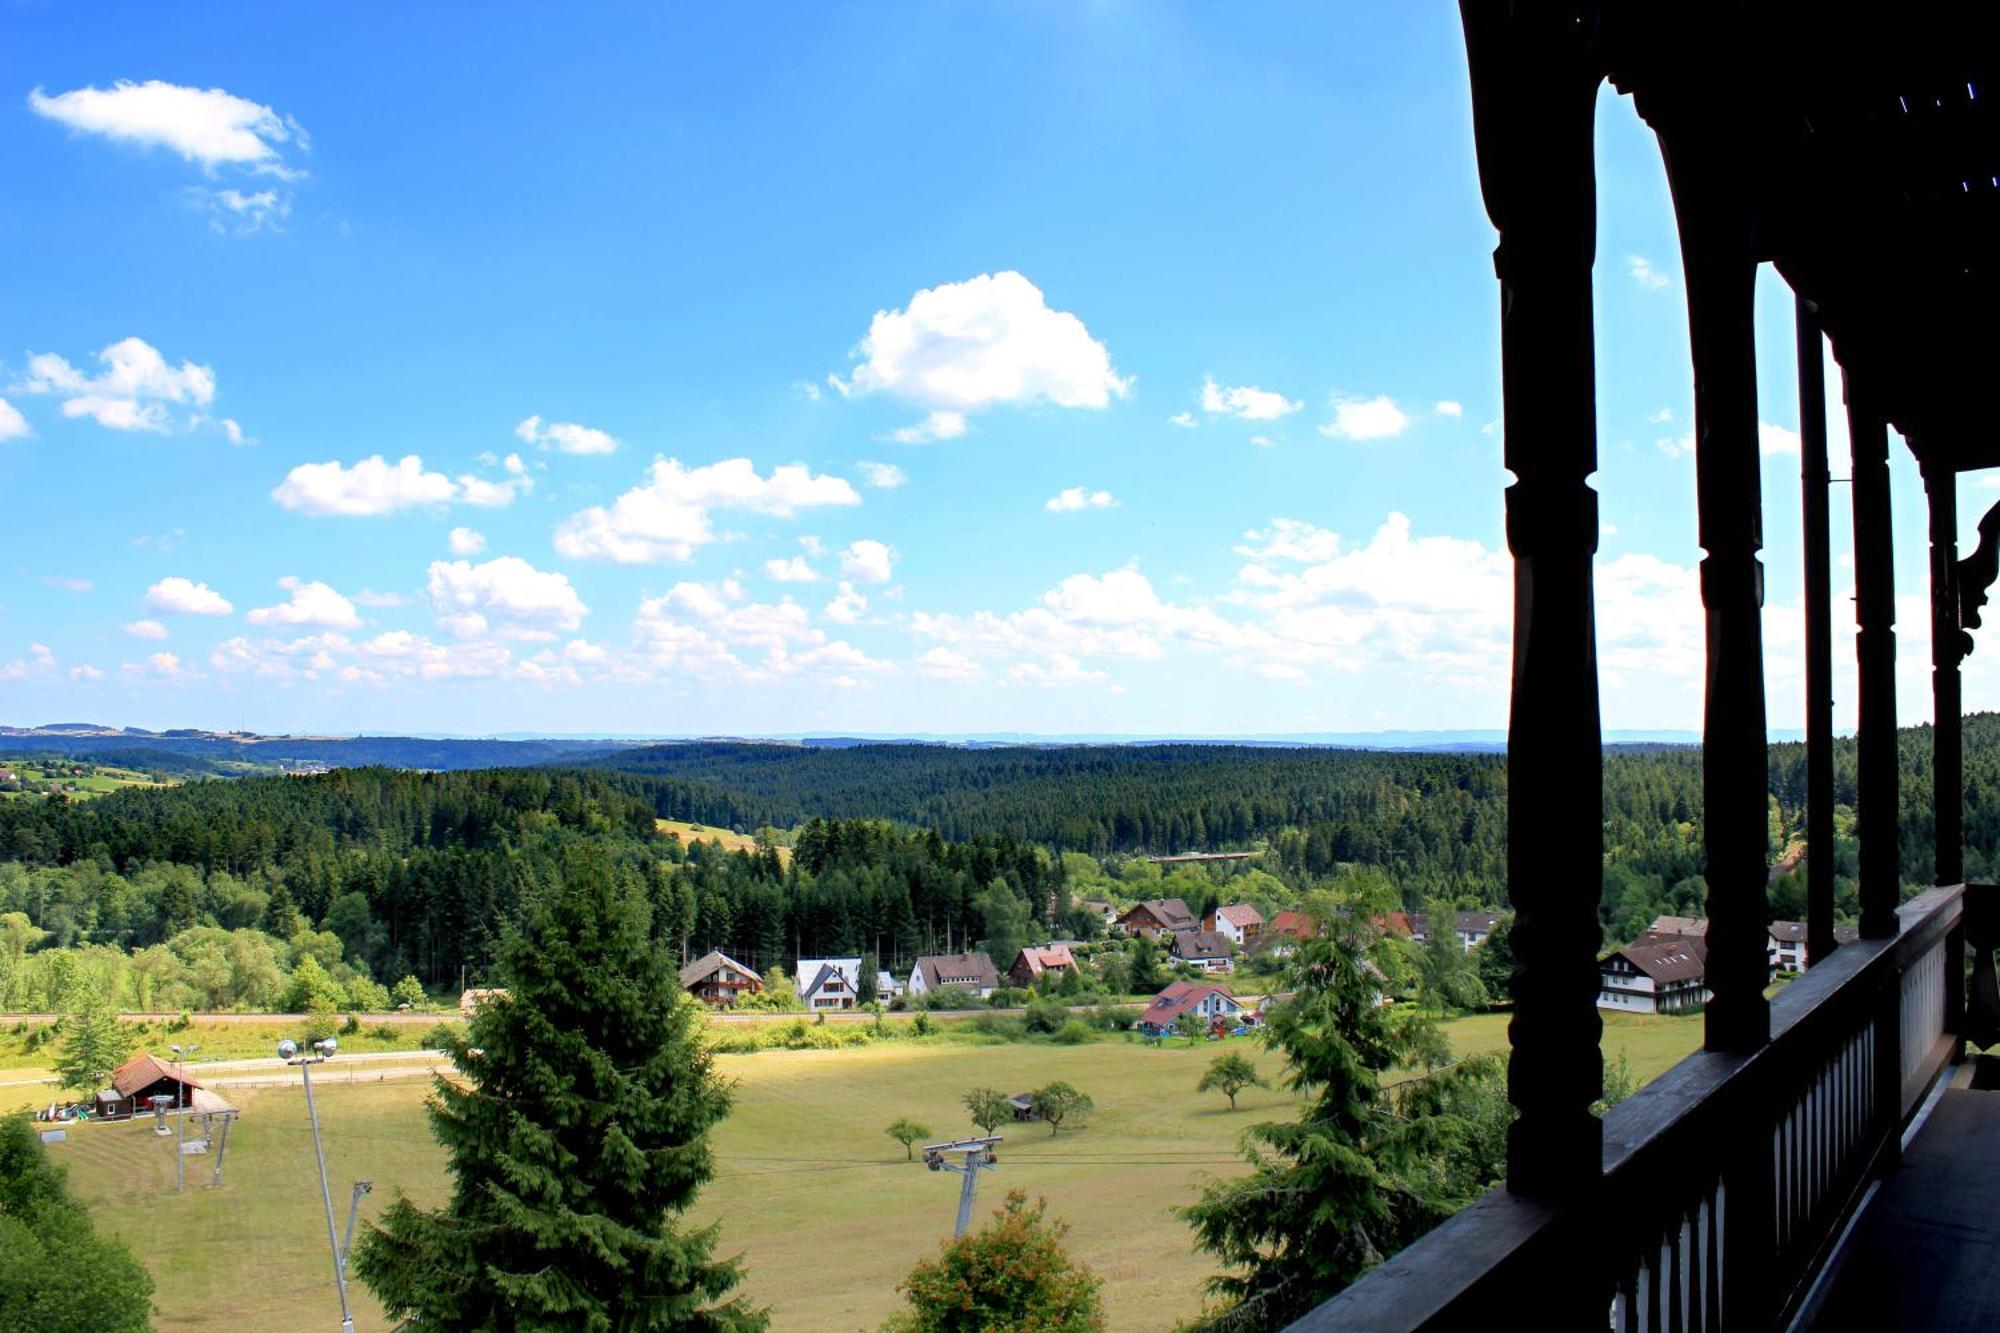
{"x":1171,"y":913}
{"x":1471,"y":923}
{"x":959,"y":969}
{"x":1680,"y":925}
{"x":1041,"y":958}
{"x":709,"y":964}
{"x":1200,"y":944}
{"x":142,"y":1071}
{"x":1666,"y":958}
{"x":1296,"y":924}
{"x":478,"y":995}
{"x":1794,"y":932}
{"x":1180,"y":997}
{"x":885,"y":981}
{"x":814,"y":972}
{"x":1395,"y":923}
{"x":1240,"y":915}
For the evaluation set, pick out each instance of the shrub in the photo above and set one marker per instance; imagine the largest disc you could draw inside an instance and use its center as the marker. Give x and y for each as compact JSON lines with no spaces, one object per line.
{"x":1010,"y":997}
{"x":1045,"y":1016}
{"x":1074,"y":1033}
{"x":352,"y":1026}
{"x":1114,"y":1017}
{"x":924,"y":1024}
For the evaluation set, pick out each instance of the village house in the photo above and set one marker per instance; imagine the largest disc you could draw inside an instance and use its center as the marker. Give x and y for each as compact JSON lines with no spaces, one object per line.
{"x":1210,"y":1001}
{"x":1663,"y":975}
{"x":1105,"y":912}
{"x":1239,"y":922}
{"x":718,"y":980}
{"x":1035,"y":961}
{"x":828,"y":983}
{"x":1786,"y":948}
{"x":137,"y":1081}
{"x":887,"y":988}
{"x":1282,"y":933}
{"x":1157,"y":917}
{"x":1205,"y":949}
{"x":1470,"y":927}
{"x":471,"y":999}
{"x":972,"y":973}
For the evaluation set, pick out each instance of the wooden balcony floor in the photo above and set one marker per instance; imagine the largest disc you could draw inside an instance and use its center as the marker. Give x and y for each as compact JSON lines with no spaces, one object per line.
{"x":1926,"y":1252}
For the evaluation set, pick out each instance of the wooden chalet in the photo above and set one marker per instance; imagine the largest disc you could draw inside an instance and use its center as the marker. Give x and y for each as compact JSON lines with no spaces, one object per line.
{"x":1820,"y":1163}
{"x":136,"y":1082}
{"x":1156,"y":918}
{"x":718,"y":980}
{"x":1034,"y":962}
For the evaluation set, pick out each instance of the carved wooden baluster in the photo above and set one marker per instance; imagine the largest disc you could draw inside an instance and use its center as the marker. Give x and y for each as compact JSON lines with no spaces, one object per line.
{"x":1949,"y":645}
{"x":1819,"y":639}
{"x":1875,"y":653}
{"x":1534,"y":88}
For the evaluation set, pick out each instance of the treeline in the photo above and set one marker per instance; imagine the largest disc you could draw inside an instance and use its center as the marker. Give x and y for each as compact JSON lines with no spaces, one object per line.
{"x":419,"y":874}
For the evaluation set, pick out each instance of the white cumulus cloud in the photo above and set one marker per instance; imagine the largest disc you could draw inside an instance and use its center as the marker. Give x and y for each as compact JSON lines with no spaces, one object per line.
{"x":847,"y":605}
{"x":964,"y":347}
{"x":939,"y":425}
{"x":372,"y":486}
{"x":868,"y":561}
{"x":1245,"y":402}
{"x":1073,"y":498}
{"x":1643,"y":272}
{"x":791,"y":570}
{"x":132,"y":390}
{"x":13,"y":426}
{"x":311,"y":603}
{"x":185,"y":597}
{"x":669,"y":516}
{"x":146,"y":629}
{"x":505,"y":596}
{"x":464,"y":541}
{"x":1447,"y":407}
{"x":883,"y":476}
{"x":565,"y":436}
{"x":1376,"y":418}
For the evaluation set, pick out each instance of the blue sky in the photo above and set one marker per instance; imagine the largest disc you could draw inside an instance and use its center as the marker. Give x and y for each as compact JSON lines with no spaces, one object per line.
{"x":875,"y":368}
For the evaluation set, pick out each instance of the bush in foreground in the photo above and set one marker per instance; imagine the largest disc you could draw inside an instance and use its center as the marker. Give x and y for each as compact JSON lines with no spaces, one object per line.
{"x":56,"y":1274}
{"x":1010,"y":1276}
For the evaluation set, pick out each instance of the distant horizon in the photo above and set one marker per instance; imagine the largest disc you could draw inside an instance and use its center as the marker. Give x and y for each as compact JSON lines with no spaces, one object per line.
{"x":1408,"y":738}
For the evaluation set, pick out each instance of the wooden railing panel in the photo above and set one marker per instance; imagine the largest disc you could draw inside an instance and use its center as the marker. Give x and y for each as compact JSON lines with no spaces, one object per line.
{"x":1789,"y":1132}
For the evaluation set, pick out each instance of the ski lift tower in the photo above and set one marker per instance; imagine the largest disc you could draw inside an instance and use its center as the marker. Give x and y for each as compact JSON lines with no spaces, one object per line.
{"x":974,"y":1156}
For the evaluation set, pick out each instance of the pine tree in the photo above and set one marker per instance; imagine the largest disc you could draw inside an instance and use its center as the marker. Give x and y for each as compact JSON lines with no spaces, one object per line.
{"x":577,"y":1138}
{"x":94,"y":1044}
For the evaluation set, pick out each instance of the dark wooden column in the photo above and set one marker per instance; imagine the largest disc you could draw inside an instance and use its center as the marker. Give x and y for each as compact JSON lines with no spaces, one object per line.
{"x":1814,"y":482}
{"x":1947,"y":651}
{"x":1713,"y":210}
{"x":1875,"y":656}
{"x":1534,"y":89}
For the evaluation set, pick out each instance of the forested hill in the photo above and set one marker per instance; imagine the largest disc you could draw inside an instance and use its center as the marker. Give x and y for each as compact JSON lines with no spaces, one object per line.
{"x":1090,"y":798}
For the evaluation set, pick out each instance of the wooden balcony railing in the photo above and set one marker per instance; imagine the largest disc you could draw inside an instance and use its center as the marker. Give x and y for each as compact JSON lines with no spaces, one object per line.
{"x":1727,"y":1180}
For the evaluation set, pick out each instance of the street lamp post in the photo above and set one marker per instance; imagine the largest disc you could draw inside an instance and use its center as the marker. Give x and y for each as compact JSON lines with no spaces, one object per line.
{"x":318,"y":1051}
{"x":181,"y":1055}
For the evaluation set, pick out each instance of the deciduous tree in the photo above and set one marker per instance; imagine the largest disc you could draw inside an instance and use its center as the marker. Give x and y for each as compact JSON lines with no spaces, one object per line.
{"x":1013,"y":1275}
{"x":1057,"y":1102}
{"x":988,"y":1108}
{"x":1231,"y":1073}
{"x":907,"y":1132}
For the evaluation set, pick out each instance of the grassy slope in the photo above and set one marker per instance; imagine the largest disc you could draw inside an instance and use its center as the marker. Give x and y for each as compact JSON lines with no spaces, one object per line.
{"x":101,"y":783}
{"x":731,"y":842}
{"x":818,"y":1201}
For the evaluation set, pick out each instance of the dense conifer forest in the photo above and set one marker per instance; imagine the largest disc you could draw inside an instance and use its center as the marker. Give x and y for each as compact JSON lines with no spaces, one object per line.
{"x":213,"y":891}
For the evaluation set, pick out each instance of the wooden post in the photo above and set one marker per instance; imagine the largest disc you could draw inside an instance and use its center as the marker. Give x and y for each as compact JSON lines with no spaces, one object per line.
{"x":1814,"y":481}
{"x":1875,"y":653}
{"x":1947,"y":651}
{"x":1534,"y":90}
{"x":1718,"y":231}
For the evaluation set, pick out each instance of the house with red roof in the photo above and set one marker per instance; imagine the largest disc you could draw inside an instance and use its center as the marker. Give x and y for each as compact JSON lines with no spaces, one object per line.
{"x":1035,"y":961}
{"x":1240,"y":923}
{"x":1212,"y":1001}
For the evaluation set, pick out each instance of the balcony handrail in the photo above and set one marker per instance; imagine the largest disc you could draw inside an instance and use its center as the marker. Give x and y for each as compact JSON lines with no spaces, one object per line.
{"x":1827,"y":1071}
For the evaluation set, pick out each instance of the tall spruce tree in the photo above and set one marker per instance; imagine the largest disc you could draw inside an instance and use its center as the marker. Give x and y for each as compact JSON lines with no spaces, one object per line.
{"x":94,"y":1043}
{"x":1363,"y":1171}
{"x":577,"y":1136}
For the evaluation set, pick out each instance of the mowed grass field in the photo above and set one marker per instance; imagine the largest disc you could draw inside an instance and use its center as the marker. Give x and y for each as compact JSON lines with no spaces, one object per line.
{"x":731,"y":842}
{"x":819,"y":1202}
{"x":102,"y":782}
